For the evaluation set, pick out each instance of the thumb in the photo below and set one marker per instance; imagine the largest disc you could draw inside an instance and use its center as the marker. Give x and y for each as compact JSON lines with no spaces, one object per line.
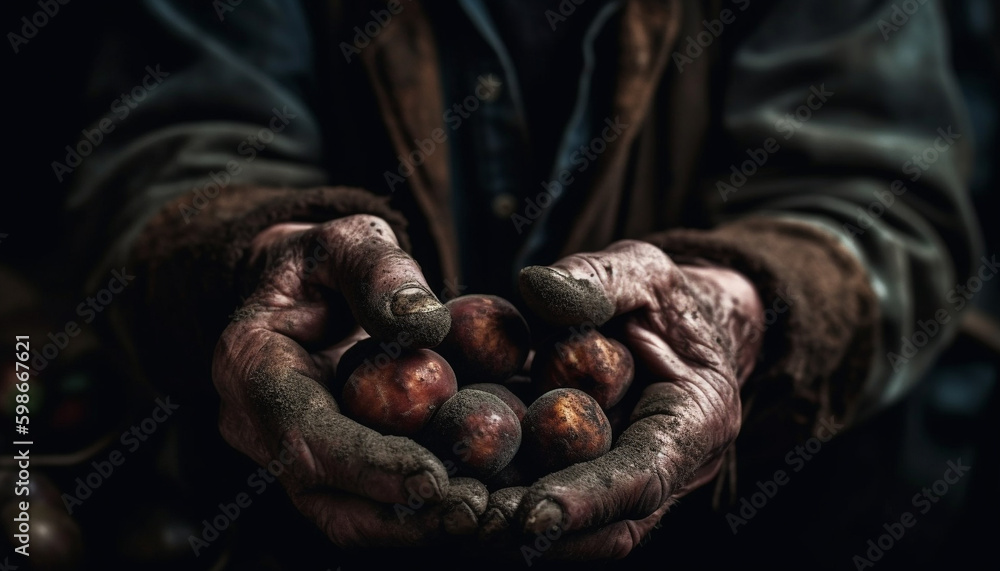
{"x":383,"y":285}
{"x":594,"y":287}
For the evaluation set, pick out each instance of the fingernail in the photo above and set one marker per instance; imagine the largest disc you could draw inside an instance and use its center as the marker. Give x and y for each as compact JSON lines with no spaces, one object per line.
{"x":460,"y":520}
{"x":423,"y":485}
{"x":544,"y":516}
{"x":413,"y":299}
{"x":493,"y":524}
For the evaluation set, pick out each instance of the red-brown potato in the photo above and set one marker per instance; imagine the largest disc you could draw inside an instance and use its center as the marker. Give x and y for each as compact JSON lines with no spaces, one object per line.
{"x":504,"y":394}
{"x":488,"y":340}
{"x":476,"y":431}
{"x":564,"y":427}
{"x":399,"y":396}
{"x":585,"y":360}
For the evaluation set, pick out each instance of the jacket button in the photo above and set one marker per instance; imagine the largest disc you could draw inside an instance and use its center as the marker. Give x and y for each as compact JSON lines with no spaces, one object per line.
{"x":504,"y":205}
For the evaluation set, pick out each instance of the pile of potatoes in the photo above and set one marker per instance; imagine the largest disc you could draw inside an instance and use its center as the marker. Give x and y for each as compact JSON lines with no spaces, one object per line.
{"x":465,"y":399}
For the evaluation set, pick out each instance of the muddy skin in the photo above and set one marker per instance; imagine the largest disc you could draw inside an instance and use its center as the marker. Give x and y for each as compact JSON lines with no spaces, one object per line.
{"x":562,"y":300}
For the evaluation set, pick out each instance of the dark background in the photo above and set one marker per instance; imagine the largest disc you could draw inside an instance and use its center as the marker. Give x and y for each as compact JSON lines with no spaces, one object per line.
{"x":822,"y":518}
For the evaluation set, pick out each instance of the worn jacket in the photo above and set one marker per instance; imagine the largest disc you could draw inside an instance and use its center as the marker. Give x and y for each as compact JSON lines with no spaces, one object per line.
{"x":851,"y":218}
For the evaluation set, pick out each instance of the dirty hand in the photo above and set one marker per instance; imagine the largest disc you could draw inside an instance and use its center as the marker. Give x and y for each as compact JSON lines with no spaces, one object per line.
{"x":696,"y":330}
{"x":315,"y":285}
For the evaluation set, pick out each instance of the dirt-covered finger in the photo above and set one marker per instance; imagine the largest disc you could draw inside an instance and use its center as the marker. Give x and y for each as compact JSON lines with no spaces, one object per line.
{"x":384,"y":286}
{"x":272,"y":402}
{"x":495,"y":525}
{"x":594,"y":287}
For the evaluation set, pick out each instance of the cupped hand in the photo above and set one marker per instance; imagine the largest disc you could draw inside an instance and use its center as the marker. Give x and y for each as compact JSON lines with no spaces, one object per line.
{"x":317,"y":287}
{"x":695,"y":329}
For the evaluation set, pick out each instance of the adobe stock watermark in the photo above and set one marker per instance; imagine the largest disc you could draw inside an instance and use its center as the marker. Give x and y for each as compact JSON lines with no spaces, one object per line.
{"x":581,"y":159}
{"x":899,"y":17}
{"x":389,"y":351}
{"x":787,"y":126}
{"x":121,"y":108}
{"x":783,"y":301}
{"x":460,"y":452}
{"x":229,"y":512}
{"x":695,"y":45}
{"x":796,"y":460}
{"x":542,"y":543}
{"x":576,"y":335}
{"x":363,"y":35}
{"x":31,"y":25}
{"x":87,"y":310}
{"x":915,"y":167}
{"x":486,"y":89}
{"x":958,"y":296}
{"x":923,"y":501}
{"x":450,"y":290}
{"x":566,"y":8}
{"x":132,"y":439}
{"x":248,"y":148}
{"x":223,"y":7}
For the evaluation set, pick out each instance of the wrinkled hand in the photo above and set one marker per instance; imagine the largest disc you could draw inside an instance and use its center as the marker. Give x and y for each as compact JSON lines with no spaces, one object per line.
{"x":696,"y":330}
{"x":317,"y":283}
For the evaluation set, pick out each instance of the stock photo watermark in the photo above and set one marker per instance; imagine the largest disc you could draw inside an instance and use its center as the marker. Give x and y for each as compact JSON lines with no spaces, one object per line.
{"x":460,"y":452}
{"x":91,"y":138}
{"x":581,"y":159}
{"x":784,"y":299}
{"x":485,"y":90}
{"x":899,"y":17}
{"x":541,"y":543}
{"x":787,"y":127}
{"x":563,"y":11}
{"x":32,"y":24}
{"x":959,"y":296}
{"x":87,"y":310}
{"x":922,"y":502}
{"x":796,"y":459}
{"x":915,"y":167}
{"x":248,"y":148}
{"x":363,"y":35}
{"x":229,"y":512}
{"x":132,"y":439}
{"x":695,"y":45}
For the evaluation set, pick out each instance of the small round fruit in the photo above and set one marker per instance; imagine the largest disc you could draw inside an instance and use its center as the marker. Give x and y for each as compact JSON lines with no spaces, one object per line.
{"x":477,"y":431}
{"x":488,"y":340}
{"x":400,"y":395}
{"x":504,"y":394}
{"x":564,"y":427}
{"x":601,"y":367}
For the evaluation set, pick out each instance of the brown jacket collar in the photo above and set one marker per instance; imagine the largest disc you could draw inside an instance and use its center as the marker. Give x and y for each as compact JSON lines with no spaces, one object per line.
{"x":402,"y":64}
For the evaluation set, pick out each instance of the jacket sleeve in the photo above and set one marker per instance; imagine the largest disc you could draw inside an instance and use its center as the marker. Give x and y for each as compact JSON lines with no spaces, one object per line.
{"x":212,"y":138}
{"x":838,"y":172}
